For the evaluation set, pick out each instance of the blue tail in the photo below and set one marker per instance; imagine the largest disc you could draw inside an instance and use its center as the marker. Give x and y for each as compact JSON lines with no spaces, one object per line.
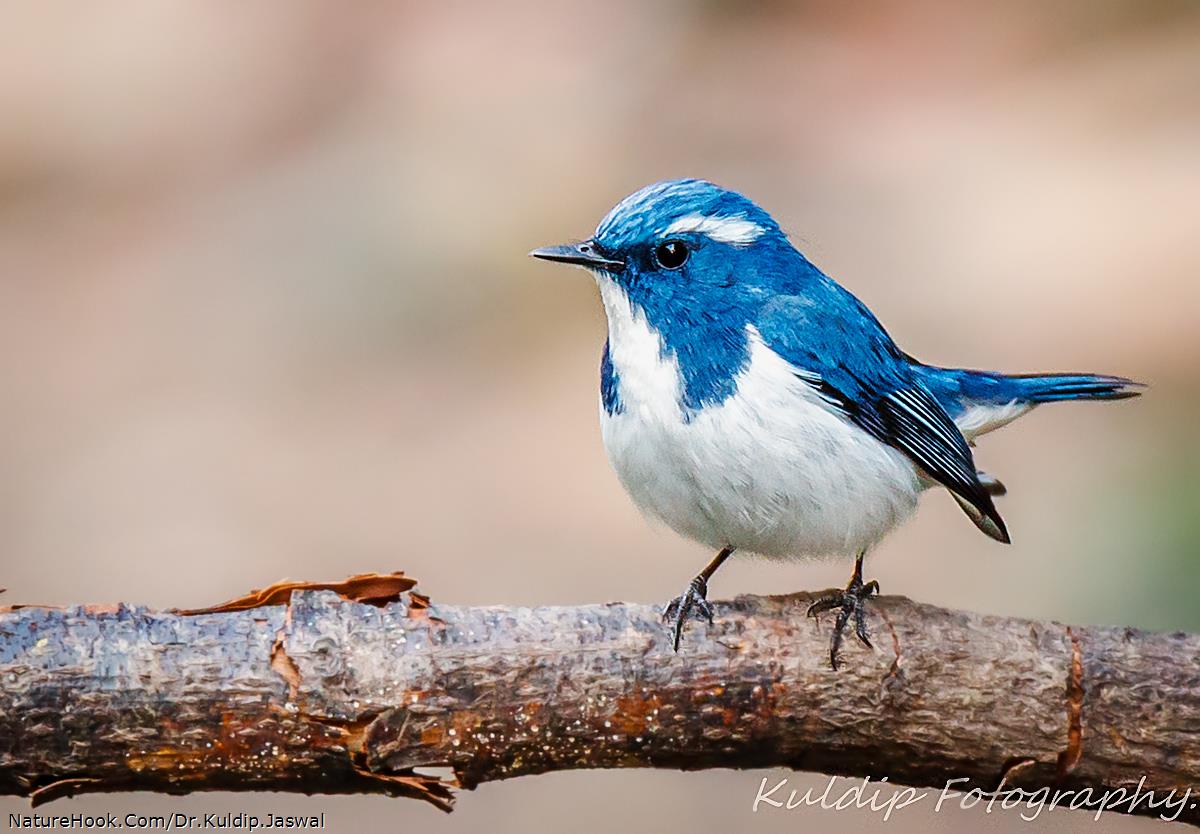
{"x":958,"y":388}
{"x":981,"y":401}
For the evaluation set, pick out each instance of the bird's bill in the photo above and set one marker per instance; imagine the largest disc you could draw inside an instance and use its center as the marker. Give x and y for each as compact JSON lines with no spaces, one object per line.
{"x":580,"y":254}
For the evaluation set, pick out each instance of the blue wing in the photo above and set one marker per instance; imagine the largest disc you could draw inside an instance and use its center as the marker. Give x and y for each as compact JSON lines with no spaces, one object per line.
{"x":838,"y":347}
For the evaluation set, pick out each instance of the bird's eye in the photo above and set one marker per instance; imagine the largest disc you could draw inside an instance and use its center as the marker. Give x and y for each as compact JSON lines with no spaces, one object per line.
{"x":671,"y":255}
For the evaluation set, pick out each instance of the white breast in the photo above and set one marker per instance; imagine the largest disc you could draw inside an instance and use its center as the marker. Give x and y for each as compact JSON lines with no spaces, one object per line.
{"x":771,"y":470}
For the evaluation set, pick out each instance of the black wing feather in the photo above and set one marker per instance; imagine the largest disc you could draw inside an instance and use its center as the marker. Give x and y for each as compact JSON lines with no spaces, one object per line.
{"x":911,"y":420}
{"x":916,"y":424}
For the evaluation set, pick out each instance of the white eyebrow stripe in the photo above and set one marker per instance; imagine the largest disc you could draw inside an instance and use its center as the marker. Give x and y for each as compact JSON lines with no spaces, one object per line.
{"x":736,"y":230}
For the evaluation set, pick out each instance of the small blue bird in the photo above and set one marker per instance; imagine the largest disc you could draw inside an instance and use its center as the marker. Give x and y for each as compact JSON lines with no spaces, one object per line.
{"x":753,"y":404}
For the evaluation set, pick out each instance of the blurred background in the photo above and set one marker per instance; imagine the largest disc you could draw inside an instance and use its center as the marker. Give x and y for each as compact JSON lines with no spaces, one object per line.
{"x":265,"y":308}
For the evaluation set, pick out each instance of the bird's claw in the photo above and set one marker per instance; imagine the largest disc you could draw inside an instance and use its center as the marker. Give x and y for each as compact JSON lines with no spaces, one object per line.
{"x":692,"y":603}
{"x":851,"y":604}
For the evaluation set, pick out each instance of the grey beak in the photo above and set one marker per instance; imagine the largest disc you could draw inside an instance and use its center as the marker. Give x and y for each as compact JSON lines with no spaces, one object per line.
{"x":579,"y":254}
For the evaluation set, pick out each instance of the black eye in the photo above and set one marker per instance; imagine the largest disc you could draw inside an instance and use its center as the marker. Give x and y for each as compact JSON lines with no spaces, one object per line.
{"x":672,"y":254}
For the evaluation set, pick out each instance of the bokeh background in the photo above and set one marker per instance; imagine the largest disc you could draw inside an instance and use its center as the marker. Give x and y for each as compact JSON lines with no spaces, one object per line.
{"x":265,"y":308}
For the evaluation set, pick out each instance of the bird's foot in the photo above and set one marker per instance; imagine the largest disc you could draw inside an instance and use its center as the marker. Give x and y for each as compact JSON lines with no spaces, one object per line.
{"x":691,"y":603}
{"x":852,"y":605}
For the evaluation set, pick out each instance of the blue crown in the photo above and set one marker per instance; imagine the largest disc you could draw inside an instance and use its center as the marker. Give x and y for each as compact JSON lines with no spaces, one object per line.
{"x":654,"y":208}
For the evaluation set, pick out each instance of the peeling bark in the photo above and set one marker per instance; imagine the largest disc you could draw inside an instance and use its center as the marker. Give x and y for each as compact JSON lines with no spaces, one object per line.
{"x":329,"y":695}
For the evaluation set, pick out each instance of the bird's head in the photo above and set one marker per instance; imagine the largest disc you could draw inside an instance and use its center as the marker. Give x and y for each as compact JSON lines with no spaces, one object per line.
{"x":692,"y":266}
{"x":687,"y":240}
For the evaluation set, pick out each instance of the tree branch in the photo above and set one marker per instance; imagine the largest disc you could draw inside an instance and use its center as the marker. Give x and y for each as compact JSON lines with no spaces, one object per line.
{"x":326,"y":694}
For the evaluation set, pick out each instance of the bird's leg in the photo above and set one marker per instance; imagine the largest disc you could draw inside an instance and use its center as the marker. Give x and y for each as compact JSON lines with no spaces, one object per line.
{"x":852,"y":603}
{"x":693,"y":601}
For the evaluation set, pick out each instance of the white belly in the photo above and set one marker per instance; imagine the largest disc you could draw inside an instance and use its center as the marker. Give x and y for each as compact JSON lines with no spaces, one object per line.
{"x":771,"y":470}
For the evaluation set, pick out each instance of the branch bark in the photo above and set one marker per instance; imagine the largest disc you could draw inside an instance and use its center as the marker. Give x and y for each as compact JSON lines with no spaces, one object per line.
{"x":325,"y":694}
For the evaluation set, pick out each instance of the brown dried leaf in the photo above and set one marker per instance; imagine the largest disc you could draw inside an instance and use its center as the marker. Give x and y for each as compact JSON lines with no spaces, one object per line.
{"x":418,"y":602}
{"x":416,"y":785}
{"x":371,"y":588}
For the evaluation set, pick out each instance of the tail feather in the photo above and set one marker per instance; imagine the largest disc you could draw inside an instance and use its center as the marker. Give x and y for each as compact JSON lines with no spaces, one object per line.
{"x":991,"y":484}
{"x":981,"y":401}
{"x":1047,"y":388}
{"x":958,"y":388}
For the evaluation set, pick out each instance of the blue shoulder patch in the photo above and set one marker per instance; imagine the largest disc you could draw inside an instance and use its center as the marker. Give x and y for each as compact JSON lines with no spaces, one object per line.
{"x":610,"y":394}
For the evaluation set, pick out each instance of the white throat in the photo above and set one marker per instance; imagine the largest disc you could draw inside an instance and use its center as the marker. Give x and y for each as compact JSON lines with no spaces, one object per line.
{"x":648,"y":379}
